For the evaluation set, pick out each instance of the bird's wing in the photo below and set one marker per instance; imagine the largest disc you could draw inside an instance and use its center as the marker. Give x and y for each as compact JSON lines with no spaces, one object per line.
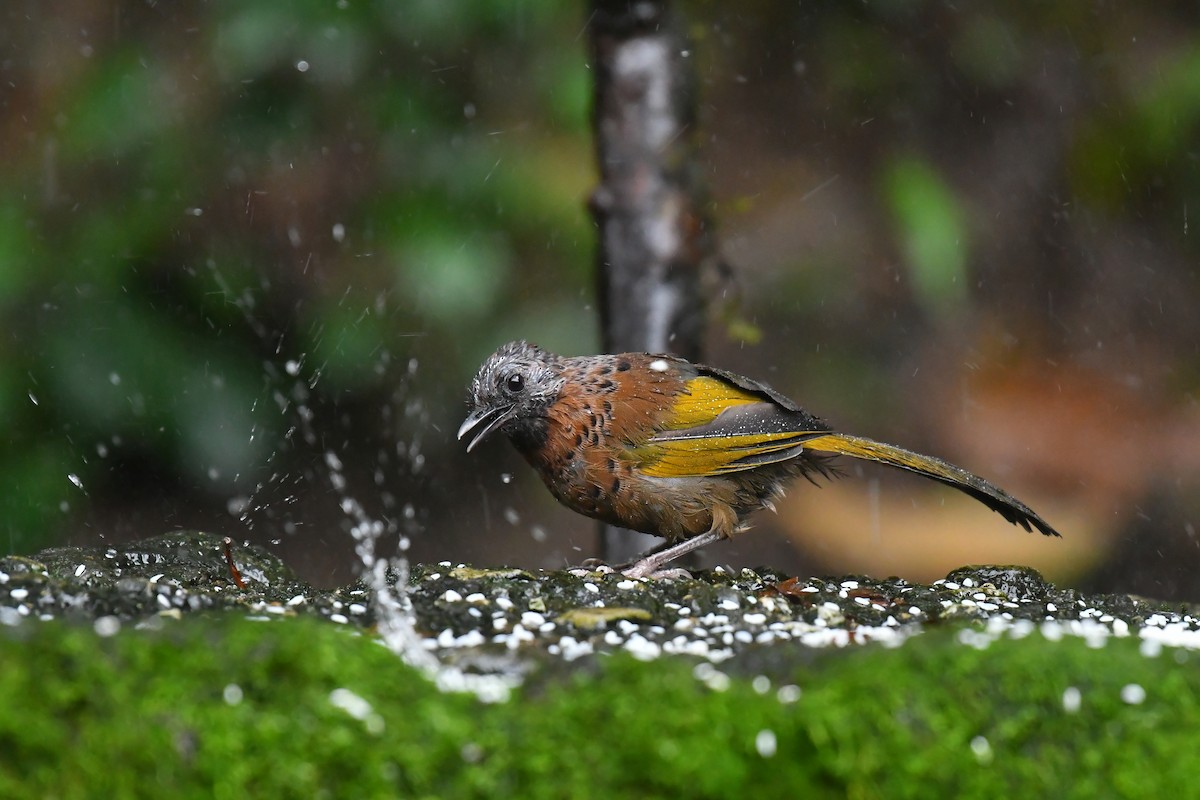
{"x":716,"y":426}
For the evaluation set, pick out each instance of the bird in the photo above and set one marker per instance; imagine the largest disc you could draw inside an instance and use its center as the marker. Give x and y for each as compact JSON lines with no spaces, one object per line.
{"x":658,"y":444}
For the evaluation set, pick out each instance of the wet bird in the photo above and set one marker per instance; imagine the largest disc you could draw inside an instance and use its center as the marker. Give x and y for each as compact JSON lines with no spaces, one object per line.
{"x":667,"y":447}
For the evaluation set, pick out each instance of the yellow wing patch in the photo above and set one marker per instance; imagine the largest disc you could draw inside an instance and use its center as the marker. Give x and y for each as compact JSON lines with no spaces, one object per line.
{"x":717,"y":455}
{"x":681,"y":455}
{"x":702,"y":400}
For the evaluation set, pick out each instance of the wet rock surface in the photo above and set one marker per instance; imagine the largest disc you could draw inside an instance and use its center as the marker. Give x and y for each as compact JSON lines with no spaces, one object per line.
{"x":172,"y":574}
{"x":475,"y":617}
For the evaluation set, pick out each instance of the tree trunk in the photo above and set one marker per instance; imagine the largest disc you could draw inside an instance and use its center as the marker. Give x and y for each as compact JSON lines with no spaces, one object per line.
{"x":656,"y":240}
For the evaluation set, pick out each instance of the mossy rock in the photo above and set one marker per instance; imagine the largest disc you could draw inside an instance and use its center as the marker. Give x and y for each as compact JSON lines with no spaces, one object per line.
{"x":221,"y":698}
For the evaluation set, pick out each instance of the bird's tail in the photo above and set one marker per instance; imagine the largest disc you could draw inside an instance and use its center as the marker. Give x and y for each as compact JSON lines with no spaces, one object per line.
{"x":991,"y":496}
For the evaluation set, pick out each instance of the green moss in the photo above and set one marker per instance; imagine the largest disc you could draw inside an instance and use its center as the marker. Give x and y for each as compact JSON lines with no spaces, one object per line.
{"x":148,"y":713}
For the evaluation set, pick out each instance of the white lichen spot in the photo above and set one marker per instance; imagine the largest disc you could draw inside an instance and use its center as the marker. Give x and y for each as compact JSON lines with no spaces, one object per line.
{"x":357,"y":707}
{"x":106,"y":626}
{"x":1133,"y":694}
{"x":788,"y":694}
{"x":642,"y":648}
{"x":982,"y":749}
{"x":710,"y":676}
{"x":1072,"y":698}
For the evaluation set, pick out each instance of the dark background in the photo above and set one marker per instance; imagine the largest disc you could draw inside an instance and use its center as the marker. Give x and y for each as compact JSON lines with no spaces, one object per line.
{"x":243,"y":243}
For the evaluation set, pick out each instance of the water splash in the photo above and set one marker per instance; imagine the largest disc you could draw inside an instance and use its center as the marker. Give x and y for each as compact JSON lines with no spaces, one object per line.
{"x":393,"y":607}
{"x":387,"y":579}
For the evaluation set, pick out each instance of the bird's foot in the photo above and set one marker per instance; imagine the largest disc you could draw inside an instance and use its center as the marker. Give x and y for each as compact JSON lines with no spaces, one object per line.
{"x":670,"y":574}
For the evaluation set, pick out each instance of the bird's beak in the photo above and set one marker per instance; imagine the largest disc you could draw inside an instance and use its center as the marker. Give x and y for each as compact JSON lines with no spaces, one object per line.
{"x":486,"y":420}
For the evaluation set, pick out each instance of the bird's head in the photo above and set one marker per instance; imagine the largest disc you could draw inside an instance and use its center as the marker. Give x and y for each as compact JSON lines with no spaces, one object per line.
{"x":511,"y":392}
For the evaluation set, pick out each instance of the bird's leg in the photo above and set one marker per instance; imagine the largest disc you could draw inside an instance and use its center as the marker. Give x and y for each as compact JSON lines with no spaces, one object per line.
{"x":651,"y":562}
{"x":724,"y":524}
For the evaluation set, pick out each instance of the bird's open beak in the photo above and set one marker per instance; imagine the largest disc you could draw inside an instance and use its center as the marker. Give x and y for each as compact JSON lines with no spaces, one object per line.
{"x":486,"y":420}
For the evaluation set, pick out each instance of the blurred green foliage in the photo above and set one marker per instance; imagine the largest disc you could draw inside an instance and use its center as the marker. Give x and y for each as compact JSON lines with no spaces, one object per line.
{"x":195,"y":195}
{"x":932,"y":233}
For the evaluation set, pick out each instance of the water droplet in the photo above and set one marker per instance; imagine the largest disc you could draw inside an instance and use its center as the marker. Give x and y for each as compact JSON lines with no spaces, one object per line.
{"x":505,"y":477}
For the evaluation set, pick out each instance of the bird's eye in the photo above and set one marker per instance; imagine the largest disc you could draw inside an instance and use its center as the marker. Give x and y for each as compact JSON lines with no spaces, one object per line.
{"x":514,"y":383}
